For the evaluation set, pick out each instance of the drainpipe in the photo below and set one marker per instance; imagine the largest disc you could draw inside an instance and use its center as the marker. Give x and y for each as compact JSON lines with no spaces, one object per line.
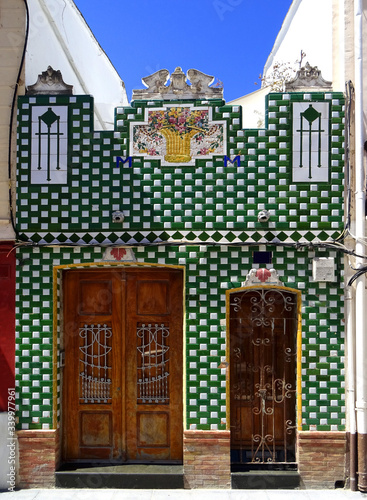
{"x":360,"y":198}
{"x":351,"y":400}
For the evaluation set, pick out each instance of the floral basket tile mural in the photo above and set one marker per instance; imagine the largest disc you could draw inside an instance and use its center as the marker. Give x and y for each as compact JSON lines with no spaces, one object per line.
{"x":178,"y":135}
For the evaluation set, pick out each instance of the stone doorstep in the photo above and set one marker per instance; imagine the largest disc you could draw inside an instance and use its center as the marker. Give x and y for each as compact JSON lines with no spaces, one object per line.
{"x":266,"y":480}
{"x":128,"y":476}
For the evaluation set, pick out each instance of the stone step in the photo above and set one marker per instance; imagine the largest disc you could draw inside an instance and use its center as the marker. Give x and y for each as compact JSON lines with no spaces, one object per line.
{"x":265,"y":480}
{"x":129,"y":476}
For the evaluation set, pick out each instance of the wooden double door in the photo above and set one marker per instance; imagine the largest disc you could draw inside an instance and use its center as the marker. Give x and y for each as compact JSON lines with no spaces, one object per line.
{"x":122,"y":383}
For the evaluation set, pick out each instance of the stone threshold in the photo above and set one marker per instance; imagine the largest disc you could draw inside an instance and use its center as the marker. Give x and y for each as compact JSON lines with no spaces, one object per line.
{"x":126,"y":476}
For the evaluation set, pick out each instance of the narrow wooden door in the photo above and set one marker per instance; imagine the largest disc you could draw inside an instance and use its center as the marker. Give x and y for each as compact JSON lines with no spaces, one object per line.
{"x":263,"y":327}
{"x":122,"y":384}
{"x":92,"y":382}
{"x":154,"y":361}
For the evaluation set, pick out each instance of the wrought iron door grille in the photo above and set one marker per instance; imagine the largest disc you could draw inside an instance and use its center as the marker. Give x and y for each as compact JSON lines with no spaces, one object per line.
{"x":263,"y":325}
{"x":153,"y":363}
{"x":95,"y":363}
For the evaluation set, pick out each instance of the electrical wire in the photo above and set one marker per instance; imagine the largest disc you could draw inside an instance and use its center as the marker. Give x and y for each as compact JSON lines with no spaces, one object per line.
{"x":13,"y":105}
{"x":355,"y":276}
{"x":330,"y":245}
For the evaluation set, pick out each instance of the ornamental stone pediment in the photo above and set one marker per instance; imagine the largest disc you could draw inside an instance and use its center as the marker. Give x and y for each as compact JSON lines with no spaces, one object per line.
{"x":50,"y":82}
{"x":178,"y":88}
{"x":307,"y":77}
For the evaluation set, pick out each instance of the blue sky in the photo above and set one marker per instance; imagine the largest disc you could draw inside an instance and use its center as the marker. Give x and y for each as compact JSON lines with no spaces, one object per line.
{"x":229,"y":39}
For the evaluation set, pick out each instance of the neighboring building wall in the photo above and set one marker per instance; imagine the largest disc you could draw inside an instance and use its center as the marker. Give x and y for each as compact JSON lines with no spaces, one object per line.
{"x":7,"y":326}
{"x":12,"y":39}
{"x":327,"y":39}
{"x":60,"y":37}
{"x":253,"y":108}
{"x":7,"y":361}
{"x":201,"y":215}
{"x":344,"y":45}
{"x":308,"y":26}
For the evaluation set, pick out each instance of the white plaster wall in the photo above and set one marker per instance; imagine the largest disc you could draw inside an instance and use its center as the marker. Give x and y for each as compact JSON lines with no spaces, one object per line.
{"x":253,"y":108}
{"x":344,"y":45}
{"x":12,"y":23}
{"x":364,"y":5}
{"x":59,"y":37}
{"x":308,"y":26}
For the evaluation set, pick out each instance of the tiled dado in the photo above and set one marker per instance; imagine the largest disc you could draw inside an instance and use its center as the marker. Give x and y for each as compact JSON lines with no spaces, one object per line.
{"x":210,"y":271}
{"x":207,"y":459}
{"x":39,"y":457}
{"x":321,"y":459}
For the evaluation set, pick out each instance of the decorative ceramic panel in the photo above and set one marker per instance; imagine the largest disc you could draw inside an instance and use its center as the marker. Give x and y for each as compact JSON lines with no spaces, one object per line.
{"x":178,"y":135}
{"x":49,"y":136}
{"x":311,"y":142}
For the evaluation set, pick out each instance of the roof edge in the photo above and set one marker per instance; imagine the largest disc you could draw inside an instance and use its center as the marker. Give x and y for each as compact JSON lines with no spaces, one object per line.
{"x":74,"y":6}
{"x":282,"y":33}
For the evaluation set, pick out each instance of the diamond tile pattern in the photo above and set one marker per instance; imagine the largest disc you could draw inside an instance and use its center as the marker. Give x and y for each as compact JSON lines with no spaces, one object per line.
{"x":207,"y":215}
{"x":206,"y":199}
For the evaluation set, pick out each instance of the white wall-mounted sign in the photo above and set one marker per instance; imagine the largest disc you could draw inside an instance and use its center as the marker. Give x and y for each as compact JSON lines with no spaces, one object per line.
{"x":310,"y":142}
{"x":323,"y":269}
{"x":49,"y":144}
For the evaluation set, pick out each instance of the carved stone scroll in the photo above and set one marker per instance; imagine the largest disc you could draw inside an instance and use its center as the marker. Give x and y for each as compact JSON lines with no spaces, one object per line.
{"x":50,"y":82}
{"x":307,"y":77}
{"x":178,"y":88}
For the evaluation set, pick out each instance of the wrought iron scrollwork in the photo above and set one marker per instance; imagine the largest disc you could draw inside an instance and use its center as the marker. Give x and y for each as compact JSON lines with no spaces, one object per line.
{"x":95,"y":374}
{"x":263,"y":374}
{"x":153,"y":361}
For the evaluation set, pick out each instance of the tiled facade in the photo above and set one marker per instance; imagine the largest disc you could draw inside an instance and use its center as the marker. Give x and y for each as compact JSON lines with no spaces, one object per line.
{"x":201,"y":214}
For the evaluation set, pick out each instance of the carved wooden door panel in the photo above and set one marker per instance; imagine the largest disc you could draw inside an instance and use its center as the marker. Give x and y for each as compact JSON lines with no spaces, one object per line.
{"x":263,"y":327}
{"x":92,"y":403}
{"x":122,"y":384}
{"x":154,"y":388}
